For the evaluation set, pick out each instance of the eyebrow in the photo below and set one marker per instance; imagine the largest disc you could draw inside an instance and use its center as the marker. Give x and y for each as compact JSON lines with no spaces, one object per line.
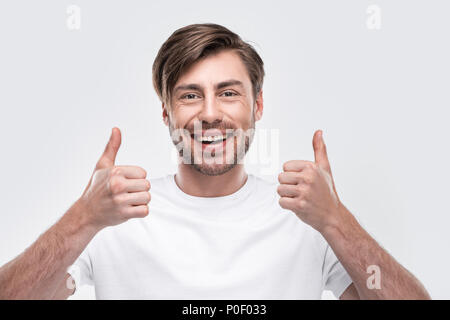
{"x":220,"y":85}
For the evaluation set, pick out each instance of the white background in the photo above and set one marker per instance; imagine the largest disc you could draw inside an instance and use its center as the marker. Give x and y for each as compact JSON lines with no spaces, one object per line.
{"x":381,"y":97}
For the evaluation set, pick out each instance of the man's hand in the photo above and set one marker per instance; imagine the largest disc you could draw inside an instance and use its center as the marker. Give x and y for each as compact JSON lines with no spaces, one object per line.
{"x":115,"y":193}
{"x":307,"y":188}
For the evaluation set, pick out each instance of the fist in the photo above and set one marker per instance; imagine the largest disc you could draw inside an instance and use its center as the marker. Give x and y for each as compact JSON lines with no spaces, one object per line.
{"x":115,"y":194}
{"x":307,"y":188}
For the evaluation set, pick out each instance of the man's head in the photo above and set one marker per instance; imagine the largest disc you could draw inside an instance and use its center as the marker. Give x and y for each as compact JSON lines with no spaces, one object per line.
{"x":207,"y":77}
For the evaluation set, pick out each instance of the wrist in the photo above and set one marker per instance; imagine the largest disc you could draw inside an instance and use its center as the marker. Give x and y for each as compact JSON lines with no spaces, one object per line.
{"x":79,"y":217}
{"x":340,"y":219}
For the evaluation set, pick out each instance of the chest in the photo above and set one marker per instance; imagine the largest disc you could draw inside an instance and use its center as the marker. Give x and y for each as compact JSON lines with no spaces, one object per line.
{"x":170,"y":260}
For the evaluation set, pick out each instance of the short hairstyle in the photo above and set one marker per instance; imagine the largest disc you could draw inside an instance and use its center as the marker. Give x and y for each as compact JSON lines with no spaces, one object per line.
{"x":190,"y":44}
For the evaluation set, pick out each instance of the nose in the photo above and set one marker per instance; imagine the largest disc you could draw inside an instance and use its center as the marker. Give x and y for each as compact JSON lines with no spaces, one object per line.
{"x":210,"y":111}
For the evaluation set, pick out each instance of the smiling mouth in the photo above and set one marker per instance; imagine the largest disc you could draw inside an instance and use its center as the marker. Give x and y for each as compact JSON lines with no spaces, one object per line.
{"x":213,"y":139}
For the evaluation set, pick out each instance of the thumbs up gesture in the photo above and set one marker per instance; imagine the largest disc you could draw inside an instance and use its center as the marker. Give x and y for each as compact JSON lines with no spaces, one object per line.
{"x":307,"y":188}
{"x":115,"y":194}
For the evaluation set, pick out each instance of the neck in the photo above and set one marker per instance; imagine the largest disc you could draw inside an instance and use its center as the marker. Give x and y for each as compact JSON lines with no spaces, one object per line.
{"x":197,"y":184}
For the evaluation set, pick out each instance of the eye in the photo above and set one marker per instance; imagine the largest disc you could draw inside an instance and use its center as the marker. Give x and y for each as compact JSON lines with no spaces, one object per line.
{"x":189,"y":96}
{"x":229,"y":93}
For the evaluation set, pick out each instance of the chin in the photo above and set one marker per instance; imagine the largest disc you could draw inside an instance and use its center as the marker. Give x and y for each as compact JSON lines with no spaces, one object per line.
{"x":213,"y":169}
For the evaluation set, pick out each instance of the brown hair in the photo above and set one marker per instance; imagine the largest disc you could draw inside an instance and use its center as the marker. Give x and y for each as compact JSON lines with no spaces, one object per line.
{"x":191,"y":43}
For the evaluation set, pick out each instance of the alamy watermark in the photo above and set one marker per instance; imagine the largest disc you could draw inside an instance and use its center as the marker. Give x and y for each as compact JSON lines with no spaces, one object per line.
{"x":374,"y":280}
{"x":73,"y":20}
{"x":373,"y":20}
{"x":227,"y":146}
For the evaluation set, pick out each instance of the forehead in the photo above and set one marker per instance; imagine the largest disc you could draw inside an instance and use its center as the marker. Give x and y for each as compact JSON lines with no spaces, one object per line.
{"x":215,"y":68}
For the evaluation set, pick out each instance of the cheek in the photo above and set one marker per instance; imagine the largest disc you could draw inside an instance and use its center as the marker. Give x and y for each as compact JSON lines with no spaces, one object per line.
{"x":180,"y":117}
{"x":240,"y":112}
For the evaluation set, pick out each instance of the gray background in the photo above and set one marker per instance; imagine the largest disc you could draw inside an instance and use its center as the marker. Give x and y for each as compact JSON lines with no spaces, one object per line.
{"x":381,"y":97}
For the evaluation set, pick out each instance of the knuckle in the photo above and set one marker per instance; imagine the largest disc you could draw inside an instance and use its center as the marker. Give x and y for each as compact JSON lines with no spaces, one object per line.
{"x":140,"y":212}
{"x":303,"y":189}
{"x":117,"y":200}
{"x":305,"y":193}
{"x":301,"y":204}
{"x":280,"y":177}
{"x":115,"y":185}
{"x":286,"y":165}
{"x":307,"y":179}
{"x":279,"y":188}
{"x":311,"y":165}
{"x":148,"y":197}
{"x":143,"y":172}
{"x":124,"y":211}
{"x":116,"y":171}
{"x":281,"y":202}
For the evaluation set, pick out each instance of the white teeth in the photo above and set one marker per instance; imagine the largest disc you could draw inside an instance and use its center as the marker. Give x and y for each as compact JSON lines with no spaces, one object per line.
{"x":211,"y":138}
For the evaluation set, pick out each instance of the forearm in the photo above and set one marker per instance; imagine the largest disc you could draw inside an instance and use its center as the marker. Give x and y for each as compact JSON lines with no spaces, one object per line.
{"x":40,"y":269}
{"x":357,"y":250}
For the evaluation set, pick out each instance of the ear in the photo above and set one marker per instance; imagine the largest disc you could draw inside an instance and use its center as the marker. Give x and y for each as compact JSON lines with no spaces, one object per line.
{"x":259,"y":105}
{"x":165,"y":115}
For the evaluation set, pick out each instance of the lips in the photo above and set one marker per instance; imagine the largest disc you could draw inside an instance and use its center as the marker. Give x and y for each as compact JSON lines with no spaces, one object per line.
{"x":211,"y":137}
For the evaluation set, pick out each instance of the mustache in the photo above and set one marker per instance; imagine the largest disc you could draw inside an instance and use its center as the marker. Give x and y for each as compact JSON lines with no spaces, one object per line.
{"x":217,"y":125}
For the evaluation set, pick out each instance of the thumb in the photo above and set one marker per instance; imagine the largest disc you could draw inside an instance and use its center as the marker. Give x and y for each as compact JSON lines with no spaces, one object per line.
{"x":320,"y":151}
{"x":109,"y":155}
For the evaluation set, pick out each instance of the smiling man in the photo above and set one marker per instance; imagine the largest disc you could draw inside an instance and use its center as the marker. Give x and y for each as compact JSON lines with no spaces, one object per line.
{"x":210,"y":231}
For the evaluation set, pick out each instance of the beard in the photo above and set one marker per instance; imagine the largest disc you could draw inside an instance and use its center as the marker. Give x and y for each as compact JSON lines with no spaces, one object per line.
{"x":210,"y":163}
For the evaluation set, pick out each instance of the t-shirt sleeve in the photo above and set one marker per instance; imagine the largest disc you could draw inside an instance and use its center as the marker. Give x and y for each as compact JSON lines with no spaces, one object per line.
{"x":335,"y":277}
{"x":81,"y":269}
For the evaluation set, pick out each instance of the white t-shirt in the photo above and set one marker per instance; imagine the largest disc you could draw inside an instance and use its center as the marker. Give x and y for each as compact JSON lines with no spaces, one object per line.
{"x":239,"y":246}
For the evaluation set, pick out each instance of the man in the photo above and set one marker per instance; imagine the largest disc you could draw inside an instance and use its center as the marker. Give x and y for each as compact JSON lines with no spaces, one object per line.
{"x":210,"y":231}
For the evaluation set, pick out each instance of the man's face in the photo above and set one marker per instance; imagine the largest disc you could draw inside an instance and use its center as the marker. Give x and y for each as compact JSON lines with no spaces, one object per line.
{"x":213,"y":100}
